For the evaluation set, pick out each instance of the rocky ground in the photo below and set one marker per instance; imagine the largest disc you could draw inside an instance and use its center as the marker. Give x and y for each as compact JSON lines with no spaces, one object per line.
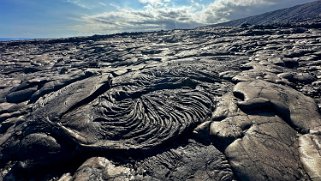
{"x":205,"y":104}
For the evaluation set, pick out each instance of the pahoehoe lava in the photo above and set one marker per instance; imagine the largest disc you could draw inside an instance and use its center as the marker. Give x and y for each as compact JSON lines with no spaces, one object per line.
{"x":211,"y":103}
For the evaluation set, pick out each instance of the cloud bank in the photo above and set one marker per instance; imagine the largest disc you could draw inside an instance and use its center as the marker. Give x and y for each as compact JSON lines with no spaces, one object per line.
{"x":168,"y":14}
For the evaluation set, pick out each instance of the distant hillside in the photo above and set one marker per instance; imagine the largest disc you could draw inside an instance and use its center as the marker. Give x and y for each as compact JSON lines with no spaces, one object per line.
{"x":295,"y":14}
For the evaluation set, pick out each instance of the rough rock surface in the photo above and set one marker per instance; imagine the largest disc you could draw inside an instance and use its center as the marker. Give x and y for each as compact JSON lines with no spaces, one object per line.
{"x":255,"y":141}
{"x":205,"y":104}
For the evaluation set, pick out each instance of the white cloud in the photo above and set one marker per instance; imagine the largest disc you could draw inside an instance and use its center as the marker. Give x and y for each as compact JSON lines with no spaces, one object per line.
{"x":223,"y":10}
{"x":149,"y":19}
{"x":79,"y":3}
{"x":154,"y":2}
{"x":87,"y":4}
{"x":164,"y":14}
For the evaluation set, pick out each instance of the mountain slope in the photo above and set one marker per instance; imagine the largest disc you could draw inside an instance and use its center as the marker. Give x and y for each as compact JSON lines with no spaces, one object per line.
{"x":297,"y":13}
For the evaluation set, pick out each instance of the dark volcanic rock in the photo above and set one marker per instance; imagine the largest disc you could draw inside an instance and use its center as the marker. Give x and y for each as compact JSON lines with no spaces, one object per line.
{"x":205,"y":104}
{"x":21,"y":95}
{"x":191,"y":162}
{"x":310,"y":146}
{"x":299,"y":110}
{"x":255,"y":140}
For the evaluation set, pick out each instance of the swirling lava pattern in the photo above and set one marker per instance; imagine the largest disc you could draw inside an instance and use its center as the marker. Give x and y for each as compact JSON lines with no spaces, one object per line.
{"x":143,"y":110}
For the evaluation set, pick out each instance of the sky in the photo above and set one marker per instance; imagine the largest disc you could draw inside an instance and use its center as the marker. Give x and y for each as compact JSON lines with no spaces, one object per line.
{"x":69,"y":18}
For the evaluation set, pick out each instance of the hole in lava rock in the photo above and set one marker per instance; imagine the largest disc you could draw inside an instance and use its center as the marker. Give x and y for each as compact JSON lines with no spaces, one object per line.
{"x":239,"y":95}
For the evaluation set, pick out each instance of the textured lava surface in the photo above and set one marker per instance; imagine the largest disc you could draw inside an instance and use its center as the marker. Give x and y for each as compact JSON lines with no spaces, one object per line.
{"x":211,"y":103}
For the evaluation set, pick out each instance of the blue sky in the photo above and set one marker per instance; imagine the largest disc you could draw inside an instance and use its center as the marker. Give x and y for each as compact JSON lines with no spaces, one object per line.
{"x":66,"y":18}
